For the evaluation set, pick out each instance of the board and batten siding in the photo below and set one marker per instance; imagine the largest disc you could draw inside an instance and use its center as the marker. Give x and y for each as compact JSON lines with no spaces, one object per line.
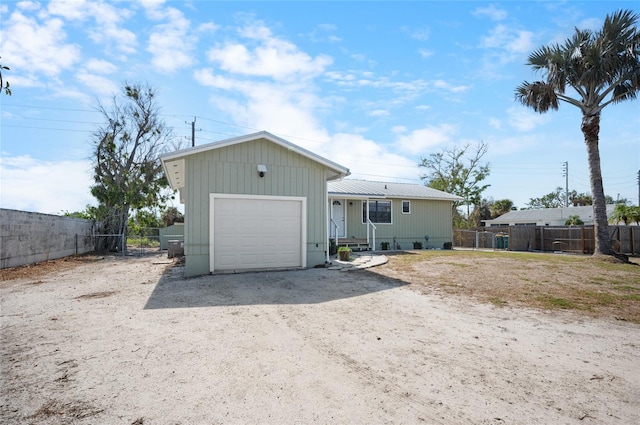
{"x":233,"y":170}
{"x":428,"y":217}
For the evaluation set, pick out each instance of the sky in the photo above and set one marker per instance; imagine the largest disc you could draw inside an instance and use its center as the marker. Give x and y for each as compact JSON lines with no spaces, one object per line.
{"x":373,"y":86}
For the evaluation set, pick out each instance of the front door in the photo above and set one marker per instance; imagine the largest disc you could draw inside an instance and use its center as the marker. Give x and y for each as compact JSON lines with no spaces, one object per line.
{"x":337,"y":213}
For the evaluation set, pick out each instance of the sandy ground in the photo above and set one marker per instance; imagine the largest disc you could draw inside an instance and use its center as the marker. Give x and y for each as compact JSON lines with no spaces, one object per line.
{"x":129,"y":341}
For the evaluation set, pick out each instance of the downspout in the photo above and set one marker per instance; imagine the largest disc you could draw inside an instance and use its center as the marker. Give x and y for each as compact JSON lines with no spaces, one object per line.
{"x":328,"y":209}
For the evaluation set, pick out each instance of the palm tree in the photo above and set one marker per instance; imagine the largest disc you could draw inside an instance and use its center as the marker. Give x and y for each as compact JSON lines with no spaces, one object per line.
{"x":603,"y":67}
{"x":622,"y":213}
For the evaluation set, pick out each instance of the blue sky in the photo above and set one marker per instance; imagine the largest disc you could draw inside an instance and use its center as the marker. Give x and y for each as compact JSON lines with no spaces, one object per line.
{"x":373,"y":86}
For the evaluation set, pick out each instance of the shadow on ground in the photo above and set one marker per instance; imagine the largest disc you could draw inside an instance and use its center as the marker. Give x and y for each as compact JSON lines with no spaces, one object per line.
{"x":310,"y":286}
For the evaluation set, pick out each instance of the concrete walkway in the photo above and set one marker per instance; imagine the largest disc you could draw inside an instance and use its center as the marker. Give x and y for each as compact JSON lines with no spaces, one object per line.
{"x":360,"y":260}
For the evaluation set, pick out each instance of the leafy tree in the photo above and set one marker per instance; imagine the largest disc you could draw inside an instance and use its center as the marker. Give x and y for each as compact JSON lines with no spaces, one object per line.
{"x":555,"y":199}
{"x":602,"y":67}
{"x":480,"y":212}
{"x":500,"y":207}
{"x":141,"y":220}
{"x":127,"y":172}
{"x":171,"y":215}
{"x":458,"y":171}
{"x":622,"y":213}
{"x":4,"y":85}
{"x":489,"y":209}
{"x":582,"y":199}
{"x":635,"y":215}
{"x":574,"y":220}
{"x":86,"y":214}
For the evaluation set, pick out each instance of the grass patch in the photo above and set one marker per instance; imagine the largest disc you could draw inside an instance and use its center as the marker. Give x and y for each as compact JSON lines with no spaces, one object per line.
{"x":143,"y":242}
{"x":553,"y":302}
{"x":499,"y":302}
{"x":583,"y":284}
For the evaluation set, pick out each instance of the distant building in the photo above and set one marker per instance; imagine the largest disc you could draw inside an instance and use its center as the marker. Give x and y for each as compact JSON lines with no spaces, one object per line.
{"x":545,"y":216}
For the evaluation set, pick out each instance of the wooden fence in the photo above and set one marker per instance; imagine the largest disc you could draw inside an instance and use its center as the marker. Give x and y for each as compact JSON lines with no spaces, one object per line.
{"x":575,"y":239}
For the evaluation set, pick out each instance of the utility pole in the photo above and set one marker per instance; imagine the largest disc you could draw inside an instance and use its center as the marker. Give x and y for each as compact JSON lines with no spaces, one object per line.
{"x":565,"y":170}
{"x":638,"y":187}
{"x":193,"y":131}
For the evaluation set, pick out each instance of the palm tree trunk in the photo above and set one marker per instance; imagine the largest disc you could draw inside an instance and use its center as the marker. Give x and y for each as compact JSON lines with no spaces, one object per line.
{"x":591,"y":130}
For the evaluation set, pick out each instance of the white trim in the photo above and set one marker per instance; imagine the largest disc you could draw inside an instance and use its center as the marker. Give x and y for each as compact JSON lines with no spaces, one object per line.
{"x":402,"y":206}
{"x":338,"y":170}
{"x":390,"y":201}
{"x":303,"y":221}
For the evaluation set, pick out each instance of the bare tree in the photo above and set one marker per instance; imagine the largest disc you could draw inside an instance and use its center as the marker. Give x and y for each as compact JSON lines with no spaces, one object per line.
{"x":127,"y":171}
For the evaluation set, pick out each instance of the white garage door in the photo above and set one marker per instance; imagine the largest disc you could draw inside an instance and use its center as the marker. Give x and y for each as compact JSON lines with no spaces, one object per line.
{"x":257,"y":232}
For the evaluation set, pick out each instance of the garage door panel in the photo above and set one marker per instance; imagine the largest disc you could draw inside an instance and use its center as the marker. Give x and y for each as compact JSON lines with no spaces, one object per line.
{"x":257,"y":233}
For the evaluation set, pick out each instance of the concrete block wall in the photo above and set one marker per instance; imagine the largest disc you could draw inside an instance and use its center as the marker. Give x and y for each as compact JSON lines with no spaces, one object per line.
{"x":27,"y":237}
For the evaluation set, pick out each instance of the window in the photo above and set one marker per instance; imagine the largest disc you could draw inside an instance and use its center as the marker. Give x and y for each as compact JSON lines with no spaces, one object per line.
{"x":379,"y":212}
{"x":406,"y":207}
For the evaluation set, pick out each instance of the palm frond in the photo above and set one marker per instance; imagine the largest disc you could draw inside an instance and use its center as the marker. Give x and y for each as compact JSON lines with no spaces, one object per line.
{"x":539,"y":96}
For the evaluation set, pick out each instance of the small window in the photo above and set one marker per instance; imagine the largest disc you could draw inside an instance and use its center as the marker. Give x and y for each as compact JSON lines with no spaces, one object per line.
{"x":406,"y":207}
{"x":379,"y":212}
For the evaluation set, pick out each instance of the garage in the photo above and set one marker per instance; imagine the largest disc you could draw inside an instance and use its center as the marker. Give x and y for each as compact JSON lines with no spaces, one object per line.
{"x":250,"y":232}
{"x":252,"y":202}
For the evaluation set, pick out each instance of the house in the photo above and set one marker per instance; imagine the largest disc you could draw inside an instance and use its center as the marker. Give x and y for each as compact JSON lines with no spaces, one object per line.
{"x":259,"y":202}
{"x":390,"y":215}
{"x":252,"y":202}
{"x":545,"y":216}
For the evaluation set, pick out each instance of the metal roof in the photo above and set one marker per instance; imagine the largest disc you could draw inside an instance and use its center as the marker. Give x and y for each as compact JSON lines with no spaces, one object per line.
{"x":371,"y":189}
{"x":548,"y":215}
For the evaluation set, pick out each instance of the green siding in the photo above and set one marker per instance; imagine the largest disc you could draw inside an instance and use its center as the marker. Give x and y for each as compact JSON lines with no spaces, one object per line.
{"x":427,"y":217}
{"x":233,"y":169}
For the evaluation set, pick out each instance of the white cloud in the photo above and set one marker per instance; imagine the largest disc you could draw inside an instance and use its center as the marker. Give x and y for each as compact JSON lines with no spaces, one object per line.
{"x":379,"y":113}
{"x":495,"y":123}
{"x":443,"y":85}
{"x":323,"y":33}
{"x":98,"y":84}
{"x":208,"y":27}
{"x":525,"y":120}
{"x":108,"y":20}
{"x":30,"y":184}
{"x":100,"y":66}
{"x":423,"y":139}
{"x":284,"y":109}
{"x":171,"y":43}
{"x":421,"y":34}
{"x":504,"y":45}
{"x":37,"y":47}
{"x":27,"y":5}
{"x":268,"y":56}
{"x":425,"y":53}
{"x":369,"y":160}
{"x":509,"y":39}
{"x":492,"y":12}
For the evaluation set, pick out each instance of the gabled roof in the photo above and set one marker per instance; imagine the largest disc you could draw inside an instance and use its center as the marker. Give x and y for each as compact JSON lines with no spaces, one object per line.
{"x":548,"y":215}
{"x":173,"y":162}
{"x":369,"y":189}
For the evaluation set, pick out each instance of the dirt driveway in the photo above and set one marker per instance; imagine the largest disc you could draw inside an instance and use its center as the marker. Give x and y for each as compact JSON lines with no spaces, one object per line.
{"x":129,"y":341}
